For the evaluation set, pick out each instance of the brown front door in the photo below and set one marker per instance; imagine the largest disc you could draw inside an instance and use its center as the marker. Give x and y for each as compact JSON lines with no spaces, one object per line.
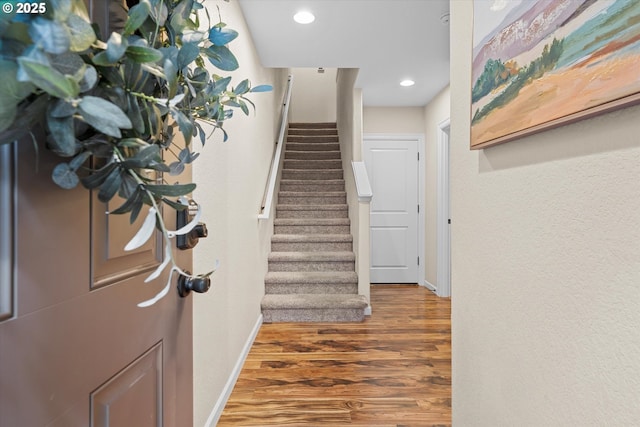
{"x":75,"y":349}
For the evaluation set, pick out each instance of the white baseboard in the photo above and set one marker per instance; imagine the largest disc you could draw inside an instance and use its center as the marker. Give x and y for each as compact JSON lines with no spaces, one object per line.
{"x":429,"y":286}
{"x":212,"y":421}
{"x":367,"y":311}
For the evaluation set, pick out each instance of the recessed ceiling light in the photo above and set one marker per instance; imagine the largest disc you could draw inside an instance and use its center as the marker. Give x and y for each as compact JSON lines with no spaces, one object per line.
{"x":304,"y":17}
{"x":407,"y":83}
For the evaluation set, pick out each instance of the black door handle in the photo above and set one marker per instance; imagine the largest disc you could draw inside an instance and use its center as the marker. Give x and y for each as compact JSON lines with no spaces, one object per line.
{"x":186,"y":284}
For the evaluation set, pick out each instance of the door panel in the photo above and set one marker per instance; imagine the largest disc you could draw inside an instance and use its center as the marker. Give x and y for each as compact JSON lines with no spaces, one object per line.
{"x":134,"y":396}
{"x":109,"y":235}
{"x":65,"y":340}
{"x":392,"y":167}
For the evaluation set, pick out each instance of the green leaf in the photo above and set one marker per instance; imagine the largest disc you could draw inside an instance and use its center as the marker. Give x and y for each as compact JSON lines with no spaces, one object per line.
{"x":79,"y":160}
{"x":65,"y":176}
{"x":11,"y":89}
{"x":81,"y":32}
{"x":262,"y":88}
{"x":128,"y":205}
{"x":104,"y":116}
{"x":48,"y":79}
{"x":52,"y":36}
{"x":175,"y":205}
{"x":137,"y":15}
{"x":222,"y":58}
{"x":62,"y":135}
{"x":110,"y":186}
{"x":220,"y":36}
{"x":220,"y":86}
{"x":171,"y":190}
{"x":116,"y":47}
{"x":89,"y":79}
{"x":69,"y":64}
{"x":242,"y":88}
{"x":180,"y":15}
{"x":7,"y":114}
{"x":143,"y":54}
{"x":185,"y":125}
{"x":132,"y":143}
{"x":188,"y":53}
{"x":158,"y":12}
{"x":143,"y":157}
{"x":97,"y":177}
{"x":134,"y":114}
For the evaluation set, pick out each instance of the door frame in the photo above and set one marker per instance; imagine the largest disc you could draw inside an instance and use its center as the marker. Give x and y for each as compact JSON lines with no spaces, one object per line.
{"x":443,"y":272}
{"x":419,"y":139}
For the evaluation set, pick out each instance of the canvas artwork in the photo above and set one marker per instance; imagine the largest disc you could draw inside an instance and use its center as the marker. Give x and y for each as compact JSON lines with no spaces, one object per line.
{"x":539,"y":64}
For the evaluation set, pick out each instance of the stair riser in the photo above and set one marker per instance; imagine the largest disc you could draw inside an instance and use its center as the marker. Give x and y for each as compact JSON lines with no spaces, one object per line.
{"x":316,"y":174}
{"x":311,"y":246}
{"x":311,"y":265}
{"x":312,"y":200}
{"x":313,"y":132}
{"x":313,"y":315}
{"x":312,"y":164}
{"x":318,"y":214}
{"x":312,"y":139}
{"x":318,"y":125}
{"x":311,"y":288}
{"x":311,"y":229}
{"x":312,"y":187}
{"x":312,"y":155}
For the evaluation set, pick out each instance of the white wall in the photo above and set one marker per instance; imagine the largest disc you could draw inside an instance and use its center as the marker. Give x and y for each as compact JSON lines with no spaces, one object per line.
{"x":231,"y":179}
{"x":438,"y":110}
{"x":545,"y":267}
{"x":313,"y":98}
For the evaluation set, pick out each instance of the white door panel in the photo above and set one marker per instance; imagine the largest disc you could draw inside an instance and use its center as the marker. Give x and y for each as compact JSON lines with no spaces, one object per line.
{"x":392,"y":167}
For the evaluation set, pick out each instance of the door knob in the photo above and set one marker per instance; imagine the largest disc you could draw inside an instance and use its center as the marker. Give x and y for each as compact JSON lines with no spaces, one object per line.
{"x":186,"y":284}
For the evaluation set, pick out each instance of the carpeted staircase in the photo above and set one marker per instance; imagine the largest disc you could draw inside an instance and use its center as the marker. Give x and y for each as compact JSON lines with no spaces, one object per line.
{"x":312,"y":274}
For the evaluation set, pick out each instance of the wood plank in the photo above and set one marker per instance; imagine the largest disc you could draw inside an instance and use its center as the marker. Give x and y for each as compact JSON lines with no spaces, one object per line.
{"x":394,"y":369}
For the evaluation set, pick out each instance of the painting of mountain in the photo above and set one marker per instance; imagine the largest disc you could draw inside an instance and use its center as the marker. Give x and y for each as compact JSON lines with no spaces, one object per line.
{"x":544,"y":63}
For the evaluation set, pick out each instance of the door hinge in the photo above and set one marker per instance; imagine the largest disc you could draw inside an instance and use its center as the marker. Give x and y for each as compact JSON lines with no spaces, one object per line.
{"x":418,"y":260}
{"x":418,"y":208}
{"x":418,"y":156}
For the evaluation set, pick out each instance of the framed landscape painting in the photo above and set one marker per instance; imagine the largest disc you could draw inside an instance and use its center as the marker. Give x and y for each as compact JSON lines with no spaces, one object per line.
{"x":539,"y":64}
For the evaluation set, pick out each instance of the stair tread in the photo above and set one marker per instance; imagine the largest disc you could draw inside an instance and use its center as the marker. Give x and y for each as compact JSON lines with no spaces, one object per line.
{"x":313,"y":301}
{"x":320,"y":277}
{"x":311,"y":221}
{"x":313,"y":256}
{"x":311,"y":238}
{"x":333,"y":207}
{"x":316,"y":193}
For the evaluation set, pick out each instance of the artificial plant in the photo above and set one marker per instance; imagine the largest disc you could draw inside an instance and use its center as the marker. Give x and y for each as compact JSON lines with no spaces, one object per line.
{"x":112,"y":105}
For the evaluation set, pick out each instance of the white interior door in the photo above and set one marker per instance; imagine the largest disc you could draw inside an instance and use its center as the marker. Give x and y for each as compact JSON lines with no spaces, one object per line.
{"x":392,"y":166}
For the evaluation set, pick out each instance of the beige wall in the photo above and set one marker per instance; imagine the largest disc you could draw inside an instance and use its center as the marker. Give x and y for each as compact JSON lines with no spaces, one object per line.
{"x":393,"y":120}
{"x":313,"y":98}
{"x":436,"y":112}
{"x":231,"y":179}
{"x":349,"y":121}
{"x":545,"y":267}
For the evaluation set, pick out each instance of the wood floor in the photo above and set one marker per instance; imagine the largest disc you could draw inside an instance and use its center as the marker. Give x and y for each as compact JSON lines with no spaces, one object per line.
{"x":392,"y":370}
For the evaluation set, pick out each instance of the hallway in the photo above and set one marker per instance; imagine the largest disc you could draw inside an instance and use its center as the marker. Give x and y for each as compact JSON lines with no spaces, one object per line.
{"x":392,"y":369}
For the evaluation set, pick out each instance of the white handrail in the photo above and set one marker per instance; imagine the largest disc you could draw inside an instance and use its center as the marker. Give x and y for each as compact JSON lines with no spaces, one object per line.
{"x":363,"y":186}
{"x":267,"y":201}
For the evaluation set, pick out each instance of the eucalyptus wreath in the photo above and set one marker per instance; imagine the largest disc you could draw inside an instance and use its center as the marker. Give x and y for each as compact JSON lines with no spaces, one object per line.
{"x":111,"y":107}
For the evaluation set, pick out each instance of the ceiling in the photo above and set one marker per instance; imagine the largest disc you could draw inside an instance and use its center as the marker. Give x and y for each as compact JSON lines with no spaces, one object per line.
{"x":388,"y":40}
